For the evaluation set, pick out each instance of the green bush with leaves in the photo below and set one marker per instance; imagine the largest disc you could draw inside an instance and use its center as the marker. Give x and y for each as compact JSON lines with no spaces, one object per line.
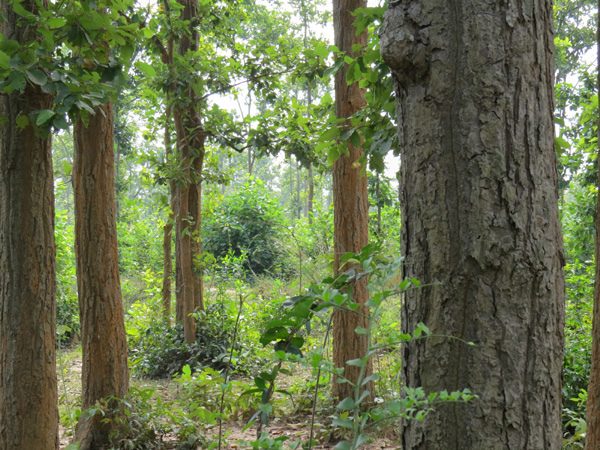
{"x":247,"y":222}
{"x":159,"y":351}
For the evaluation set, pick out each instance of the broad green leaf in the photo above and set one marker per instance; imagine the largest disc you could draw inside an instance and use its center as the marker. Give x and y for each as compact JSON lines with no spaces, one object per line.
{"x":56,"y":22}
{"x":37,"y":76}
{"x":343,"y":445}
{"x":44,"y":116}
{"x":146,"y":69}
{"x":344,"y":423}
{"x":355,"y":139}
{"x":266,"y":408}
{"x":361,"y":330}
{"x":4,"y":60}
{"x":358,"y":362}
{"x":346,"y":404}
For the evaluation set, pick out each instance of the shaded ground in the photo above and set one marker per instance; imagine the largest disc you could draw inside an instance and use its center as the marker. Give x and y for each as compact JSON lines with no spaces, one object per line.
{"x":292,"y":426}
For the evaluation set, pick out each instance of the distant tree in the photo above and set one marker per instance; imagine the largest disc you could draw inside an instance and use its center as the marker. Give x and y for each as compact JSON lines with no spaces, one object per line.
{"x":350,"y":206}
{"x":104,"y":344}
{"x":28,"y":392}
{"x":592,"y":437}
{"x":480,"y":228}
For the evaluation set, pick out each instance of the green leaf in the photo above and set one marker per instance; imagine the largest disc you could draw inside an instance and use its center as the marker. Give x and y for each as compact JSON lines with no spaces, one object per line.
{"x":361,"y":440}
{"x":361,"y":330}
{"x":343,"y":445}
{"x":346,"y":404}
{"x":146,"y":69}
{"x":344,"y":423}
{"x":358,"y":362}
{"x":4,"y":60}
{"x":266,"y":408}
{"x":373,"y":377}
{"x":44,"y":116}
{"x":355,"y":139}
{"x":56,"y":22}
{"x":346,"y":134}
{"x":37,"y":76}
{"x":22,"y":121}
{"x":273,"y":334}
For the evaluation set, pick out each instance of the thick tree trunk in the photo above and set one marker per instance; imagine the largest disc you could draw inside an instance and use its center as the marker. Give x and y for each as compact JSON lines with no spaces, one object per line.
{"x":104,"y":372}
{"x":28,"y":393}
{"x":480,"y":225}
{"x":592,"y":437}
{"x":350,"y":208}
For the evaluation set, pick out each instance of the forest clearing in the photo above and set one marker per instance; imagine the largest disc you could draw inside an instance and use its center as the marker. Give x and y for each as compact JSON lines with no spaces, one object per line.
{"x":297,"y":224}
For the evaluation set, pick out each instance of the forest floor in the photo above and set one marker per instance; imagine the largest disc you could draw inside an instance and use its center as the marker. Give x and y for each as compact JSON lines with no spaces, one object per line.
{"x":293,"y":426}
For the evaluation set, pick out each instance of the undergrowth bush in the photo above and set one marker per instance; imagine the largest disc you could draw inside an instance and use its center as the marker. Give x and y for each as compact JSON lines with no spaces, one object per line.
{"x":247,"y":222}
{"x":160,"y":351}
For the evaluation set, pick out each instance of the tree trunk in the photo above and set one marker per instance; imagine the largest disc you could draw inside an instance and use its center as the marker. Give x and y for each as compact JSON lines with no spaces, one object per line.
{"x":104,"y":345}
{"x":190,"y":149}
{"x":298,"y":189}
{"x":592,"y":437}
{"x":168,"y":230}
{"x":350,"y":208}
{"x":28,"y":392}
{"x":311,"y":194}
{"x":480,"y":224}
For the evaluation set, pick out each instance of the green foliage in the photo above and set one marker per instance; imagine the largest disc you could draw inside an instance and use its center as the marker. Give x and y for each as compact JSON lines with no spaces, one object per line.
{"x":139,"y":230}
{"x":159,"y":351}
{"x":249,"y":223}
{"x":67,"y":306}
{"x":284,"y":332}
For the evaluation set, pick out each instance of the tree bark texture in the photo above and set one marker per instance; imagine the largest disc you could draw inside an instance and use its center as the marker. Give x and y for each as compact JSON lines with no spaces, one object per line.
{"x":350,"y":208}
{"x":480,"y":224}
{"x":104,"y":345}
{"x":28,"y":391}
{"x":592,"y":437}
{"x":190,"y":148}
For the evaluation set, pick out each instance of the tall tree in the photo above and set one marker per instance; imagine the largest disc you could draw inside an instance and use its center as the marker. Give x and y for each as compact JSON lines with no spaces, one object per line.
{"x":350,"y":206}
{"x":480,"y":226}
{"x":592,"y":437}
{"x":190,"y":149}
{"x":104,"y":345}
{"x":28,"y":392}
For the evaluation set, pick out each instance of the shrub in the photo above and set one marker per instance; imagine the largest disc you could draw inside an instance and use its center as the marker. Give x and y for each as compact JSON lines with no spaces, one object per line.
{"x":248,"y":222}
{"x":160,"y":351}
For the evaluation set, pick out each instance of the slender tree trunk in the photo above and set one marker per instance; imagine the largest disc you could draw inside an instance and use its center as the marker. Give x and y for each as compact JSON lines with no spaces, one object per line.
{"x":351,"y":208}
{"x":480,"y":224}
{"x":311,"y":194}
{"x":168,"y":230}
{"x":378,"y":194}
{"x":298,"y":189}
{"x":104,"y":345}
{"x":190,"y":148}
{"x":592,"y":437}
{"x":28,"y":393}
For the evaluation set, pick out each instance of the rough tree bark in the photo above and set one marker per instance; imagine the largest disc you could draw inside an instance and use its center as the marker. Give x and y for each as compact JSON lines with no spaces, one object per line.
{"x":592,"y":437}
{"x":28,"y":393}
{"x":480,"y":224}
{"x":350,"y":207}
{"x":104,"y":345}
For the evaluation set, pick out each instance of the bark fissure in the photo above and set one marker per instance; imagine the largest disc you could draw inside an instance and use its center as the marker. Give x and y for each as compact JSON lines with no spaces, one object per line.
{"x":480,"y":218}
